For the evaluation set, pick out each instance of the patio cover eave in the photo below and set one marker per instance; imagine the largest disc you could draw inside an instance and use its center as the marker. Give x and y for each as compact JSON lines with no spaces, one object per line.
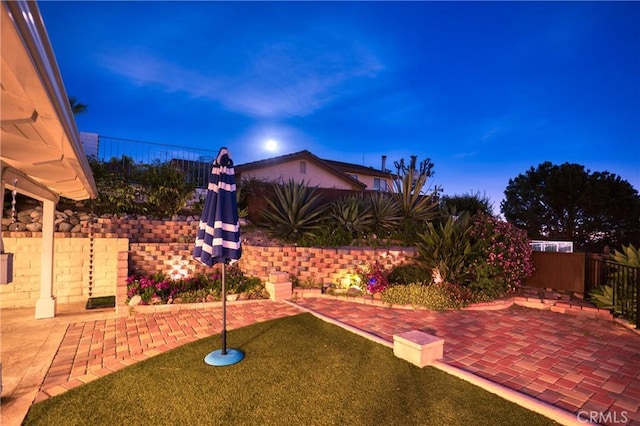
{"x":41,"y":154}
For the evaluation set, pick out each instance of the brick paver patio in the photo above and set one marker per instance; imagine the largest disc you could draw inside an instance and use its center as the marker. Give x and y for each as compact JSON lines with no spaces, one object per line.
{"x":575,"y":363}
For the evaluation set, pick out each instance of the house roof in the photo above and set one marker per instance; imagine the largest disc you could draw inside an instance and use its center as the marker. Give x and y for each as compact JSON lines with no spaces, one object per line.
{"x":41,"y":146}
{"x":300,"y":155}
{"x":356,"y":168}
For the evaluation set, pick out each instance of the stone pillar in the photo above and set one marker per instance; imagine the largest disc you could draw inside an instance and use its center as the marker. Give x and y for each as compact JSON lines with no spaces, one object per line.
{"x":279,"y":286}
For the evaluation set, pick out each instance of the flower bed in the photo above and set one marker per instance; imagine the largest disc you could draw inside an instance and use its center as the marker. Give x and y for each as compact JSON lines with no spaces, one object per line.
{"x":204,"y":287}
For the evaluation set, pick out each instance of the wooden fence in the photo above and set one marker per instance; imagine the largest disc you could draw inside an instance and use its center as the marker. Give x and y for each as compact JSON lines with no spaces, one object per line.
{"x":560,"y":271}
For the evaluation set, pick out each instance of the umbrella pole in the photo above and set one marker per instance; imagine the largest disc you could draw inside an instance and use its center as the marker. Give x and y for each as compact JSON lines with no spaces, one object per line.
{"x":223,"y":356}
{"x":224,"y":311}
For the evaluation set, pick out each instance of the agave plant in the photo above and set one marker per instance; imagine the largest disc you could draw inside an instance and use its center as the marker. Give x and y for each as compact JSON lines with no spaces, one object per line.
{"x":353,"y":214}
{"x":602,"y":296}
{"x":622,"y":282}
{"x":629,"y":256}
{"x":296,"y":211}
{"x":385,"y":212}
{"x":447,"y":250}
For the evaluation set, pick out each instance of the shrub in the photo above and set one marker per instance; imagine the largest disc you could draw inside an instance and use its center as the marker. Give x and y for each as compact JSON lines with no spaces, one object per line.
{"x":619,"y":293}
{"x":160,"y":289}
{"x":469,"y":202}
{"x":629,"y":256}
{"x":408,"y":274}
{"x":165,"y":188}
{"x":446,"y":249}
{"x":308,"y":282}
{"x":504,"y":261}
{"x":435,"y":296}
{"x":329,"y":235}
{"x":237,"y":282}
{"x":296,"y":212}
{"x":385,"y":212}
{"x":115,"y":194}
{"x":157,"y":189}
{"x":352,"y":214}
{"x":150,"y":288}
{"x":372,"y":278}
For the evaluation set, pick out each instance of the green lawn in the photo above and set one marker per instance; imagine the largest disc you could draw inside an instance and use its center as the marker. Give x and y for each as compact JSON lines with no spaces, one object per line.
{"x":297,"y":371}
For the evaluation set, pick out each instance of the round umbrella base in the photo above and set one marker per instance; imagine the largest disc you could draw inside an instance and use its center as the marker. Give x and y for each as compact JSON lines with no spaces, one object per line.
{"x":216,"y":358}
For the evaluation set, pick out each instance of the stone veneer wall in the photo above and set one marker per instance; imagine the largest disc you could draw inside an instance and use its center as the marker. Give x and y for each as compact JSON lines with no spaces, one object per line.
{"x":124,"y":246}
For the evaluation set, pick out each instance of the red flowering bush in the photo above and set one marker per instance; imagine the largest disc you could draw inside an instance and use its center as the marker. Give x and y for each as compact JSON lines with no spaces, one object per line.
{"x":161,"y":288}
{"x":373,"y":278}
{"x":504,"y":256}
{"x":197,"y":288}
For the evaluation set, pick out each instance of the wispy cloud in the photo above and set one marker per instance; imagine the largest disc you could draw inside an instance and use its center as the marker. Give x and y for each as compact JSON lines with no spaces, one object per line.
{"x":295,"y":76}
{"x":463,"y":155}
{"x":490,"y":134}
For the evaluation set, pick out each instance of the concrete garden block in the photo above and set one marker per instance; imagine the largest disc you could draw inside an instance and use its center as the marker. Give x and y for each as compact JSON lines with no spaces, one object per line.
{"x":418,"y":347}
{"x":278,"y":288}
{"x":278,"y":277}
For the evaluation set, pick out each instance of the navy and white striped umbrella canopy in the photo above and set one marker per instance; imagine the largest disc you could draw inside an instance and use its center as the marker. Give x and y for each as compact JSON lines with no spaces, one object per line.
{"x":218,"y":239}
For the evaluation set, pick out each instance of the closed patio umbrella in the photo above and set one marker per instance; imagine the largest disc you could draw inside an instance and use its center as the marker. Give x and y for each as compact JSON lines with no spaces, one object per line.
{"x":218,"y":239}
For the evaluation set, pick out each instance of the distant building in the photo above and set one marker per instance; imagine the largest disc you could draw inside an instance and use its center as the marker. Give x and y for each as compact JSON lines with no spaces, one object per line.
{"x":559,"y":246}
{"x":303,"y":166}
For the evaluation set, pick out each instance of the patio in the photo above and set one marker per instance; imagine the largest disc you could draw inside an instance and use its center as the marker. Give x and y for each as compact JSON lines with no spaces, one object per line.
{"x":578,"y":365}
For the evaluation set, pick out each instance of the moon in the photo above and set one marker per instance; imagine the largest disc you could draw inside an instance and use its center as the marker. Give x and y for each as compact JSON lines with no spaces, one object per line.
{"x":271,"y":145}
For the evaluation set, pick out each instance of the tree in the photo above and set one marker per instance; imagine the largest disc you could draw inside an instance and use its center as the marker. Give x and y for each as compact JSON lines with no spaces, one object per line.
{"x":76,"y":107}
{"x":472,"y":203}
{"x":570,"y":203}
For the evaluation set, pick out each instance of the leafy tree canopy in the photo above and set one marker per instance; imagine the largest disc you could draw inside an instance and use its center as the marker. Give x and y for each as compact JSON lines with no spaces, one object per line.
{"x":77,"y":107}
{"x":570,"y":203}
{"x":471,"y":203}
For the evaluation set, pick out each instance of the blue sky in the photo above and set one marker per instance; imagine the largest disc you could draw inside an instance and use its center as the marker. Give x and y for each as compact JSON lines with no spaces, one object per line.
{"x":485,"y":89}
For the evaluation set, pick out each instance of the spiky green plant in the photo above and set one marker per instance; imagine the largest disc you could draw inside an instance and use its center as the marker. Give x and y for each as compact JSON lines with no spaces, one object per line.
{"x":625,"y":280}
{"x":621,"y":291}
{"x":353,"y":214}
{"x":413,"y":203}
{"x":296,"y":211}
{"x":447,"y":249}
{"x":385,"y":211}
{"x":629,"y":256}
{"x":602,"y":296}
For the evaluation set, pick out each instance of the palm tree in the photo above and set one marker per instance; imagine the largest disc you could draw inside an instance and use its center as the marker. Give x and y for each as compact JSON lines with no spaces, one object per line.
{"x":76,"y":107}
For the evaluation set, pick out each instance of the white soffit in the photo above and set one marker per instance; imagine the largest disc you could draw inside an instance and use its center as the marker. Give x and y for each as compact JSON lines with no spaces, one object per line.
{"x":39,"y":136}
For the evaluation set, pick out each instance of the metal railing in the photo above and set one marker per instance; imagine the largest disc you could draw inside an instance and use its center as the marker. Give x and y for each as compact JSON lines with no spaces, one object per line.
{"x":196,"y":163}
{"x":624,"y":282}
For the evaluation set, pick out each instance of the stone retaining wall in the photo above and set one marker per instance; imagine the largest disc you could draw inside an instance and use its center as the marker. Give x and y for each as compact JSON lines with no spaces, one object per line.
{"x":71,"y":224}
{"x":322,"y":265}
{"x":125,"y":246}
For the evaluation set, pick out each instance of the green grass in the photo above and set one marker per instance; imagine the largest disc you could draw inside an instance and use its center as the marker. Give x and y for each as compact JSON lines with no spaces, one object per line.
{"x":297,"y":371}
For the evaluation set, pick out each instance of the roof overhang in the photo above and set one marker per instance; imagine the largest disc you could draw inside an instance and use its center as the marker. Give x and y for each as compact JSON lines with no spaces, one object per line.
{"x":39,"y":136}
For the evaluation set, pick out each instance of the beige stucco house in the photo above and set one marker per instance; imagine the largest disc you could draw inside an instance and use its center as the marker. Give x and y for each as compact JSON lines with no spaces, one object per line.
{"x":303,"y":166}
